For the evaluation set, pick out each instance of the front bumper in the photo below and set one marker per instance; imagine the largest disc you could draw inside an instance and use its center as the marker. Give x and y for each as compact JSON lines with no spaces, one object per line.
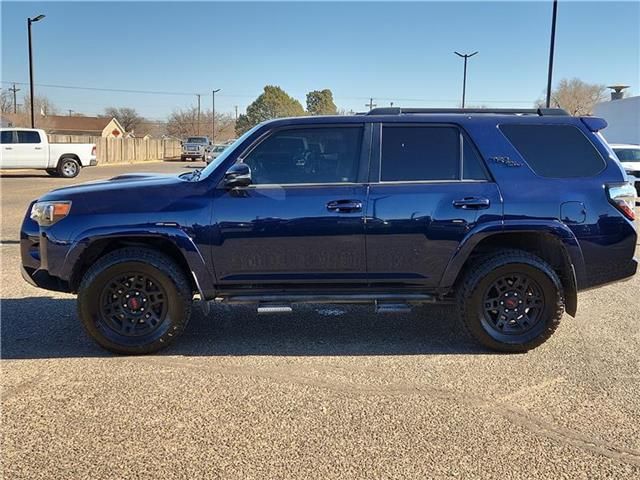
{"x":42,"y":279}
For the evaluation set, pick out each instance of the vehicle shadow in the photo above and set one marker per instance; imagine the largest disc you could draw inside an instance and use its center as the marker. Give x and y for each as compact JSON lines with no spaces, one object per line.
{"x":28,"y":175}
{"x":44,"y":327}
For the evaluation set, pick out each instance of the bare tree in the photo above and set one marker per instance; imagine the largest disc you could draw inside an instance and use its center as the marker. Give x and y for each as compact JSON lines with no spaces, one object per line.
{"x":42,"y":106}
{"x":6,"y":101}
{"x":575,"y":96}
{"x":184,"y":122}
{"x":126,"y":116}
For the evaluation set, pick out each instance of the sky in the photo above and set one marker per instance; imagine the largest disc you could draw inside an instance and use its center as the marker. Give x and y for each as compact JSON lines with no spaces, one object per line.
{"x":391,"y":51}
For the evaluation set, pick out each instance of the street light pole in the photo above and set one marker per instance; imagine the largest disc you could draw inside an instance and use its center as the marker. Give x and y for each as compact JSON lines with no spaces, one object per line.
{"x":198,"y":127}
{"x":551,"y":49}
{"x":29,"y":22}
{"x":464,"y":79}
{"x":213,"y":115}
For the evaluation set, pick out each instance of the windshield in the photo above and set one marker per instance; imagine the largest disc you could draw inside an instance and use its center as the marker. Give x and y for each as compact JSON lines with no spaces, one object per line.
{"x":227,"y":151}
{"x":628,"y":154}
{"x":197,"y":140}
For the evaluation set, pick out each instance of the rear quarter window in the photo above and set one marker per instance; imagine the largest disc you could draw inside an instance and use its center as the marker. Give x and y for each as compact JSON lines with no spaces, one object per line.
{"x":556,"y":151}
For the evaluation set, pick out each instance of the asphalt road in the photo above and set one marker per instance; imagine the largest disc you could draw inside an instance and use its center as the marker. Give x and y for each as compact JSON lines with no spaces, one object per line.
{"x":326,"y":392}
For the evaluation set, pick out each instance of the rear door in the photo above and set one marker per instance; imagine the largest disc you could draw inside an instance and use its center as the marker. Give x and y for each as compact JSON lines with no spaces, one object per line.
{"x":30,"y":151}
{"x":428,"y":189}
{"x":302,"y":218}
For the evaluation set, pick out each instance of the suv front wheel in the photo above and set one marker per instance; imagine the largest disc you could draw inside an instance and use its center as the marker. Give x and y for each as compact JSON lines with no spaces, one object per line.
{"x":134,"y":301}
{"x":511,"y":301}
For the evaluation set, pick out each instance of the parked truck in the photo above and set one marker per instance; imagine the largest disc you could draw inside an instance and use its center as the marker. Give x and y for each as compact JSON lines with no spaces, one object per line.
{"x":30,"y":148}
{"x":196,"y":148}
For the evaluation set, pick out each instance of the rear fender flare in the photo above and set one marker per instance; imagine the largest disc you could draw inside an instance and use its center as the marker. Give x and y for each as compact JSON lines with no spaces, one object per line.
{"x":557,"y":230}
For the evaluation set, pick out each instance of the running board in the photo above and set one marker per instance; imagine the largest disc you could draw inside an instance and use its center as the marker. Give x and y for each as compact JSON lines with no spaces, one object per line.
{"x":286,"y":299}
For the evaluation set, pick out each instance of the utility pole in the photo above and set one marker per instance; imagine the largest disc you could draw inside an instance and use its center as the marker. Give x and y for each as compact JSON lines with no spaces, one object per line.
{"x":236,"y":107}
{"x":198,"y":127}
{"x":70,"y":111}
{"x":370,"y":104}
{"x":213,"y":115}
{"x":29,"y":22}
{"x":551,"y":48}
{"x":15,"y":102}
{"x":464,"y":80}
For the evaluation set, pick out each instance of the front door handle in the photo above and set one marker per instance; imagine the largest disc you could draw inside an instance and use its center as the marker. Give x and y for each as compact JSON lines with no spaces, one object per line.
{"x":345,"y":206}
{"x":38,"y":148}
{"x":472,"y":203}
{"x":8,"y":148}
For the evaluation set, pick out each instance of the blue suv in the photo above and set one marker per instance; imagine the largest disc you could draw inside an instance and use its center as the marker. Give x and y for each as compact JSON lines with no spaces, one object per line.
{"x":505,"y":213}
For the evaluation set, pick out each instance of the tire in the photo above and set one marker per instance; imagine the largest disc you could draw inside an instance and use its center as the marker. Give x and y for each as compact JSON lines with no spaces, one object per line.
{"x":68,"y":167}
{"x":52,"y":171}
{"x":113,"y":313}
{"x":511,"y":301}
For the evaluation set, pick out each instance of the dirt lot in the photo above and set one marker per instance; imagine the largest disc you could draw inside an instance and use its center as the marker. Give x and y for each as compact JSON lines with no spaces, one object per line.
{"x":320,"y":393}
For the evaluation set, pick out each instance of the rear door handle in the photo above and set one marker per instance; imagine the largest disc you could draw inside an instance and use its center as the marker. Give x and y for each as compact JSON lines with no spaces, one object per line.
{"x":38,"y":148}
{"x":472,"y":203}
{"x":345,"y":206}
{"x":8,"y":148}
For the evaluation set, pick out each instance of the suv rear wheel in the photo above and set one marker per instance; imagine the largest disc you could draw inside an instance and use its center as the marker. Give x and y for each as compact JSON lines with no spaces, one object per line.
{"x":511,"y":301}
{"x":134,"y":301}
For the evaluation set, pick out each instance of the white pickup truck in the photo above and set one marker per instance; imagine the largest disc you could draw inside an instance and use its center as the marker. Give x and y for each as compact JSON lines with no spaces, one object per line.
{"x":30,"y":148}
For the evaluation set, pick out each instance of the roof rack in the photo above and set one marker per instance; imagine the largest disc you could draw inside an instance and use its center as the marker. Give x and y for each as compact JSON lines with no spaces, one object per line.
{"x":502,"y":111}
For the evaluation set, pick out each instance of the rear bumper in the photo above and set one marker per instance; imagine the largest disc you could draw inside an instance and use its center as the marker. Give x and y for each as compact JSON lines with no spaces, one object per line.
{"x":93,"y":162}
{"x":620,"y":273}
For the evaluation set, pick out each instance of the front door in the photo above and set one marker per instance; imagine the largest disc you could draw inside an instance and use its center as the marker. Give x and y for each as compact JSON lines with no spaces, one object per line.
{"x":302,"y":218}
{"x":429,"y":189}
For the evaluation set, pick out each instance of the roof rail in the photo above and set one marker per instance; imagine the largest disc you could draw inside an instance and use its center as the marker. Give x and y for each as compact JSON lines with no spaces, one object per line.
{"x":508,"y":111}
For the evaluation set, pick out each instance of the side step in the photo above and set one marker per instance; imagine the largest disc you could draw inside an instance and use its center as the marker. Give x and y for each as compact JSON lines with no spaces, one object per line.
{"x":393,"y":307}
{"x":271,"y":308}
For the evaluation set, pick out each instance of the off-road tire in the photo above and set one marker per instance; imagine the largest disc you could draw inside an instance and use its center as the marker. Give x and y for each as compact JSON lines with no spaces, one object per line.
{"x":482,"y":273}
{"x":133,"y":261}
{"x":68,"y":167}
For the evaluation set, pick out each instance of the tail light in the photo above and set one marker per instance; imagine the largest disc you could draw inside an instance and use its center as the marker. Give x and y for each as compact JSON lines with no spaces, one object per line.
{"x":623,"y":197}
{"x":93,"y":151}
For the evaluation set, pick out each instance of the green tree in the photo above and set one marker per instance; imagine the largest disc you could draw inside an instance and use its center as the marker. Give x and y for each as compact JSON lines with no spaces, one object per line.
{"x":320,"y":102}
{"x":272,"y":103}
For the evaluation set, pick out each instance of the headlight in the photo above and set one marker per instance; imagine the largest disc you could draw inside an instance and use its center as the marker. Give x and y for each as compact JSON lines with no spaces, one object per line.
{"x":48,"y":213}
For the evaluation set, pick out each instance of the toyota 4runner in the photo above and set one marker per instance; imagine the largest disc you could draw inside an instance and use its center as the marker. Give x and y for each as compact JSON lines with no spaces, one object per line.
{"x":507,"y":214}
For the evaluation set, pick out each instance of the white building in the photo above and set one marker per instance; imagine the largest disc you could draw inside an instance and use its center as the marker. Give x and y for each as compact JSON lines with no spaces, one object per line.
{"x":623,"y":117}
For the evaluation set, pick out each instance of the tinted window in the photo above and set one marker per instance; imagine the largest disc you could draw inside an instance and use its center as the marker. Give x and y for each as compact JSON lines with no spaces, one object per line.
{"x":6,"y":137}
{"x":307,"y":155}
{"x":414,"y":153}
{"x":559,"y":151}
{"x":25,"y":136}
{"x":628,"y":154}
{"x":472,"y":168}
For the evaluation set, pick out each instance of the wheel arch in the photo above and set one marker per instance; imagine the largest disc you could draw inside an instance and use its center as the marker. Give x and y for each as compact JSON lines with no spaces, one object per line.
{"x":555,"y":244}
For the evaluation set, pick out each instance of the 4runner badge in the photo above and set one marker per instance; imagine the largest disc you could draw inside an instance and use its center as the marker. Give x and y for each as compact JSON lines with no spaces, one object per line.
{"x":506,"y":161}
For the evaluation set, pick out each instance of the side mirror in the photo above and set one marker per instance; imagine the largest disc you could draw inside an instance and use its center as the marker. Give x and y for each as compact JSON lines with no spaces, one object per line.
{"x":238,"y":175}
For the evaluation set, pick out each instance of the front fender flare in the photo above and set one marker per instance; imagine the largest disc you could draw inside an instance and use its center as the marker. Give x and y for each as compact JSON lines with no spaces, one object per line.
{"x":201,"y":273}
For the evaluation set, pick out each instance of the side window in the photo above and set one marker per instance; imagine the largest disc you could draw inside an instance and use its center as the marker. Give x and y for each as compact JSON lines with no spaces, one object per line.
{"x":307,"y":155}
{"x":556,"y":151}
{"x":6,"y":136}
{"x":415,"y":153}
{"x":26,"y":136}
{"x":472,"y":168}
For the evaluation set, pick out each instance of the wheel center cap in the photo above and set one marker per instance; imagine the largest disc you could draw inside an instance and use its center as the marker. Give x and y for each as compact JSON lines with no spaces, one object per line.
{"x":511,"y":303}
{"x":133,"y":303}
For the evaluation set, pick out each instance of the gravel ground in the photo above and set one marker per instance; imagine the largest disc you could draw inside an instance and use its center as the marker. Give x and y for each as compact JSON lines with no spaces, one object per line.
{"x":325,"y":392}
